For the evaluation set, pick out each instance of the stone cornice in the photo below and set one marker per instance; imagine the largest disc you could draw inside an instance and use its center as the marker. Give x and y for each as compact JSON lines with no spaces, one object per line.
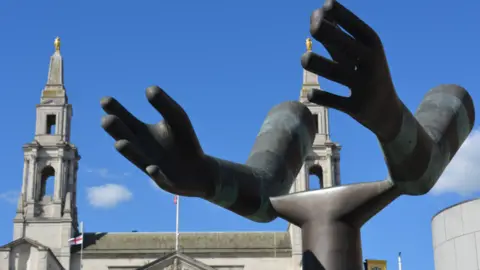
{"x":200,"y":253}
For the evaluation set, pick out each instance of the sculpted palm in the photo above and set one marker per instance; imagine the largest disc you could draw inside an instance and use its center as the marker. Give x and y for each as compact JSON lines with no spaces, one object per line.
{"x":170,"y":153}
{"x":358,"y":62}
{"x":410,"y":143}
{"x":167,"y":144}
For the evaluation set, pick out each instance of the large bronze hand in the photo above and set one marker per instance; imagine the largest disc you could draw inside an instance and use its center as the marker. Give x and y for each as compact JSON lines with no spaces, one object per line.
{"x":169,"y":144}
{"x":358,"y":62}
{"x":417,"y":148}
{"x":169,"y":152}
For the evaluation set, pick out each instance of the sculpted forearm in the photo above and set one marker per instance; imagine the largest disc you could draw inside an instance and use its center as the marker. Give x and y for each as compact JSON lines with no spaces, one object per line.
{"x":276,"y":158}
{"x":426,"y":142}
{"x":241,"y":189}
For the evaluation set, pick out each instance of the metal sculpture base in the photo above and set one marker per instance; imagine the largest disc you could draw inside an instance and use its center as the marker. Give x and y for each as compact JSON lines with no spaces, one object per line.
{"x":331,"y":220}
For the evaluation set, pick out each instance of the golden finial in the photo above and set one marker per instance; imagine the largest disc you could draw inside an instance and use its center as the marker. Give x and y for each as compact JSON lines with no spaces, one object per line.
{"x":56,"y":43}
{"x":308,"y":42}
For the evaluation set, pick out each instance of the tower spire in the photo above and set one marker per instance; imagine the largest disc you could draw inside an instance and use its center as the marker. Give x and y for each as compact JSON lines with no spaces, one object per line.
{"x":310,"y":80}
{"x":47,"y":210}
{"x":54,"y":90}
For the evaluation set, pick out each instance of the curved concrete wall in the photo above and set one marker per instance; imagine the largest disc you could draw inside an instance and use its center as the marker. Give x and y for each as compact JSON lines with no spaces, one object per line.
{"x":456,"y":237}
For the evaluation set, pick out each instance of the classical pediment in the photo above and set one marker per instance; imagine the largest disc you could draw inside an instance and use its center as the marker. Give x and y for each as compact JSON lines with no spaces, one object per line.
{"x":176,"y":261}
{"x":25,"y":253}
{"x":23,"y":241}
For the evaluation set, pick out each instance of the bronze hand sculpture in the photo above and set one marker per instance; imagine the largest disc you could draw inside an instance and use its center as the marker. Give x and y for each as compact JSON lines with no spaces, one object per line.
{"x":411,"y":144}
{"x":169,"y":152}
{"x":417,"y":148}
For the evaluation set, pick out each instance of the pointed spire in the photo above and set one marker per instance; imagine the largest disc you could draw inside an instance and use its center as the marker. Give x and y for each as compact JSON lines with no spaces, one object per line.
{"x":55,"y":73}
{"x":310,"y":80}
{"x":55,"y":89}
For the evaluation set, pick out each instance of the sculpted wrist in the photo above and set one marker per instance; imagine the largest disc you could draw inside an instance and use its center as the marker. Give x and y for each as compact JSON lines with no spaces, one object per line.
{"x":240,"y":189}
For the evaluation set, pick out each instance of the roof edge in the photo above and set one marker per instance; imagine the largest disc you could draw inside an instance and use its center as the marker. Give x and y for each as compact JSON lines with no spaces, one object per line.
{"x":34,"y":243}
{"x":452,"y":206}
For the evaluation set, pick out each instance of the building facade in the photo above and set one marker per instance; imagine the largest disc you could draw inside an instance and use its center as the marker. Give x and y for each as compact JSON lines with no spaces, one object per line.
{"x":456,"y":237}
{"x":46,"y":220}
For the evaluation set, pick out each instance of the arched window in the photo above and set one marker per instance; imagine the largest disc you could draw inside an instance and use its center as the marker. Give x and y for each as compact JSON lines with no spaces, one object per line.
{"x":47,"y":181}
{"x":315,"y":177}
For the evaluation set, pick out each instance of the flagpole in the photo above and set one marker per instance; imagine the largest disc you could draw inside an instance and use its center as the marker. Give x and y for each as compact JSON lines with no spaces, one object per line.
{"x":177,"y":234}
{"x":400,"y":261}
{"x":81,"y":245}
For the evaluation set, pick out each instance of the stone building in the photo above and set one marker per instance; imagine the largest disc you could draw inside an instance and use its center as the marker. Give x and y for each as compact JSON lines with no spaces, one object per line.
{"x":44,"y":222}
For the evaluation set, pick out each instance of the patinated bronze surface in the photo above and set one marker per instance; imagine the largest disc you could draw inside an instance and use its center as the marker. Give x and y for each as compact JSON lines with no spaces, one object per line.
{"x":169,"y":152}
{"x":417,"y":148}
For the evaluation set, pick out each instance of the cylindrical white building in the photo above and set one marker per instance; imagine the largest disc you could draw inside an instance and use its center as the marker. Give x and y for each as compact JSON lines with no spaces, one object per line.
{"x":456,"y":237}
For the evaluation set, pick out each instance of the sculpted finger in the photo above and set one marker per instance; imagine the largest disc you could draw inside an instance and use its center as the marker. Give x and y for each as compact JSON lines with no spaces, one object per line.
{"x":171,"y":111}
{"x":175,"y":117}
{"x":330,"y":35}
{"x":328,"y":69}
{"x":159,"y":177}
{"x":116,"y":128}
{"x":133,"y":154}
{"x":112,"y":106}
{"x":326,"y":99}
{"x":352,"y":24}
{"x":341,"y":57}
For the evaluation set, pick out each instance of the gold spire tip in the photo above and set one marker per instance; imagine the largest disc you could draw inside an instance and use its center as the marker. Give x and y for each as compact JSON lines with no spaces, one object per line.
{"x":308,"y":42}
{"x":56,"y":43}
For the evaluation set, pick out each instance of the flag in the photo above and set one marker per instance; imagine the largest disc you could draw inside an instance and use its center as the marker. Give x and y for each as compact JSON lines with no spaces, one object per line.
{"x":76,"y":240}
{"x":175,"y":198}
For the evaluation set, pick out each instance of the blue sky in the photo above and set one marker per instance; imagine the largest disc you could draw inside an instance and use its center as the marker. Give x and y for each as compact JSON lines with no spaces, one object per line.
{"x":227,"y":63}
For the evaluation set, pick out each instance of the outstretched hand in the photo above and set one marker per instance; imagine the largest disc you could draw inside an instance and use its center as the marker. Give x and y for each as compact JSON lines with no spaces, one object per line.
{"x":416,"y":148}
{"x":162,"y":150}
{"x":358,"y":62}
{"x":169,"y":152}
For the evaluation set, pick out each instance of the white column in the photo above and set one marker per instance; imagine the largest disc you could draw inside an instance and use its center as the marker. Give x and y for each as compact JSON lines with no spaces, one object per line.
{"x":64,"y":122}
{"x":32,"y":178}
{"x":59,"y":124}
{"x":301,"y":183}
{"x":65,"y":180}
{"x":327,"y":171}
{"x":71,"y":174}
{"x":321,"y":122}
{"x":337,"y":172}
{"x":26,"y":164}
{"x":327,"y":123}
{"x":58,"y":179}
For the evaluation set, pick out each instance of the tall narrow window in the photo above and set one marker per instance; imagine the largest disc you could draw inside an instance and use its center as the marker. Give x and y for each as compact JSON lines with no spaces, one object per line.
{"x":48,"y":182}
{"x":51,"y":124}
{"x":315,"y":179}
{"x":315,"y":120}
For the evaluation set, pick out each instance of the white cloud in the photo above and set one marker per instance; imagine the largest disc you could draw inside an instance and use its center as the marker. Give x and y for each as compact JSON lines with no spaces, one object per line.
{"x":108,"y":196}
{"x":462,"y":175}
{"x":10,"y":196}
{"x":107,"y":174}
